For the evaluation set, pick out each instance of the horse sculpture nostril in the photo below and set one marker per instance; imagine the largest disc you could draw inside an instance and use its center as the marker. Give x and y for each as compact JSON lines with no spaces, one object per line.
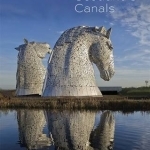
{"x":112,"y":74}
{"x":105,"y":75}
{"x":49,"y":51}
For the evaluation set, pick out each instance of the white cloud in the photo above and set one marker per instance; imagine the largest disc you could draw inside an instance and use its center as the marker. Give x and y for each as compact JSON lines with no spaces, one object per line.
{"x":12,"y":9}
{"x":137,"y":20}
{"x":8,"y":67}
{"x":60,"y":32}
{"x":141,"y":54}
{"x":7,"y":79}
{"x":8,"y":60}
{"x":136,"y":59}
{"x":125,"y":76}
{"x":133,"y":66}
{"x":112,"y":23}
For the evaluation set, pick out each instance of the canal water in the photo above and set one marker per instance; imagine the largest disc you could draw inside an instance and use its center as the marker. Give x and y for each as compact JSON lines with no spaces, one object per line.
{"x":74,"y":130}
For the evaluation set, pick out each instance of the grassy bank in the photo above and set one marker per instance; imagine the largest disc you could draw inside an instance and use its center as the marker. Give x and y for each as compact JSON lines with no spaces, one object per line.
{"x":115,"y":102}
{"x":140,"y":91}
{"x":77,"y":103}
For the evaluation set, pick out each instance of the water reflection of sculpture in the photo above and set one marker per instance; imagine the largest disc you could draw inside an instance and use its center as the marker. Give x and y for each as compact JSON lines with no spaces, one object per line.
{"x":74,"y":131}
{"x":70,"y":71}
{"x":71,"y":131}
{"x":103,"y":136}
{"x":31,"y":72}
{"x":31,"y":124}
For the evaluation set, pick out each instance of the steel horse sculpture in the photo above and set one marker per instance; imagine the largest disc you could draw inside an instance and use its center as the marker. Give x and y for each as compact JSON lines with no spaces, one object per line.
{"x":70,"y":71}
{"x":30,"y":71}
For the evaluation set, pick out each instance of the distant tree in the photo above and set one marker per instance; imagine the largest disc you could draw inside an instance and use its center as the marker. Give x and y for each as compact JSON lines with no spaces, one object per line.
{"x":146,"y":83}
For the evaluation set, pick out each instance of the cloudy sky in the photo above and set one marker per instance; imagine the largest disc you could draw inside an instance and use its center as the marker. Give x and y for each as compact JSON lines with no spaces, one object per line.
{"x":45,"y":20}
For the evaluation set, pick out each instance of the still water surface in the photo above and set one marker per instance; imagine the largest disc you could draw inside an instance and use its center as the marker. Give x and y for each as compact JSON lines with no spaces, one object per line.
{"x":74,"y":130}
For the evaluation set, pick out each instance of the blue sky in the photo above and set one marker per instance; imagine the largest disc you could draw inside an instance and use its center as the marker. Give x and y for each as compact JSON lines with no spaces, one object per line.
{"x":45,"y":20}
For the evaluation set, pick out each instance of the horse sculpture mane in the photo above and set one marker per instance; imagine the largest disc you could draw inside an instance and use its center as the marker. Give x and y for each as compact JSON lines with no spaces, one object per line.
{"x":70,"y":71}
{"x":31,"y":71}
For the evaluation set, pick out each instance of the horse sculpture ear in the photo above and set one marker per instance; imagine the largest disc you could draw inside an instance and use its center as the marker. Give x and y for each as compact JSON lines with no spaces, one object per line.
{"x":108,"y":33}
{"x":102,"y":30}
{"x":17,"y":48}
{"x":25,"y":41}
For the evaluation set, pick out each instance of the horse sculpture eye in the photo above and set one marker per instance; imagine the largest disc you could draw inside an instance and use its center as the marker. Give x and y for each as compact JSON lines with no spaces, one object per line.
{"x":109,"y":46}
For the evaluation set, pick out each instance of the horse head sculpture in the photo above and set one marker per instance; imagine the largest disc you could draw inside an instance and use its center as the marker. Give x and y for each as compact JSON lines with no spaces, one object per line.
{"x":101,"y":53}
{"x":30,"y":71}
{"x":70,"y":71}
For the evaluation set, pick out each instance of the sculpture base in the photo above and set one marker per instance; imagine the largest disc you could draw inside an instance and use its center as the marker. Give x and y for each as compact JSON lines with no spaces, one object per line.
{"x":24,"y":92}
{"x":72,"y":91}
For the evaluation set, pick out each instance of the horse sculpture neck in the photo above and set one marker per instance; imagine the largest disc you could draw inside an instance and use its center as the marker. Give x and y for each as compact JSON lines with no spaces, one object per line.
{"x":71,"y":53}
{"x":70,"y":71}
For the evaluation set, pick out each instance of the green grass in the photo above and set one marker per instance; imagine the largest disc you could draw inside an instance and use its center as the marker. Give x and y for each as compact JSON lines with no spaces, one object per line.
{"x":141,"y":91}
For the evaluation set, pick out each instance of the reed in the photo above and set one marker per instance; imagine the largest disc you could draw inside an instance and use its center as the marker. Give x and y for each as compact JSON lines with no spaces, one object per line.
{"x":111,"y":102}
{"x":89,"y":103}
